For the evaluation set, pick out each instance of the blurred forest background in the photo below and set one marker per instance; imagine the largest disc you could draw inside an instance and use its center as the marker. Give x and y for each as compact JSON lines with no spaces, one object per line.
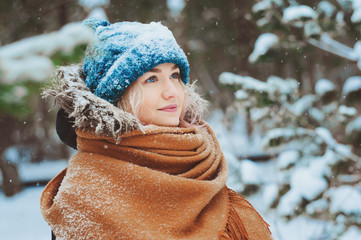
{"x":285,"y":65}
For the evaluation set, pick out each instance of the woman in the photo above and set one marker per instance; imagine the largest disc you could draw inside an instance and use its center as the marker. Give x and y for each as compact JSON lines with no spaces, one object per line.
{"x":147,"y":166}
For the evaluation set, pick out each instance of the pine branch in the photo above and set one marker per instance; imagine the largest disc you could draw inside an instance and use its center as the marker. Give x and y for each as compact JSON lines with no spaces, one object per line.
{"x":330,"y":45}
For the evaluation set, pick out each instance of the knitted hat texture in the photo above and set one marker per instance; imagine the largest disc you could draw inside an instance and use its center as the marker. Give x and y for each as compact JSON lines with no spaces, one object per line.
{"x":124,"y":51}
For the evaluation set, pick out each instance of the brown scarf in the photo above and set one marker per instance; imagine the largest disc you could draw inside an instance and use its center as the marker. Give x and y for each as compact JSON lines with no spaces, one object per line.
{"x":164,"y":183}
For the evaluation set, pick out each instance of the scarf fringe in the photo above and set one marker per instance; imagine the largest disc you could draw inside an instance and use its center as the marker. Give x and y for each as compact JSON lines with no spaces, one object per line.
{"x":235,"y":229}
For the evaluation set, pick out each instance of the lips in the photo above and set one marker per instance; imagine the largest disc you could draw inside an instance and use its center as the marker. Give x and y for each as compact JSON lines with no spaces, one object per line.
{"x":170,"y":108}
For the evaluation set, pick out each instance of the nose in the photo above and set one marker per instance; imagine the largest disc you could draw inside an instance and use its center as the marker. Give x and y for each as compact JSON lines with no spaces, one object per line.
{"x":170,"y":90}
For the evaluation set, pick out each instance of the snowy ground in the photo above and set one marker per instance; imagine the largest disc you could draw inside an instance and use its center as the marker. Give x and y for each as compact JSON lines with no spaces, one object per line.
{"x":20,"y":216}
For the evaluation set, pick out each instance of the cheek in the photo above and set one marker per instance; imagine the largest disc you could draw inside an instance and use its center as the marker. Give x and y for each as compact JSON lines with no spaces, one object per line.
{"x":149,"y":101}
{"x":182,"y":98}
{"x":181,"y":93}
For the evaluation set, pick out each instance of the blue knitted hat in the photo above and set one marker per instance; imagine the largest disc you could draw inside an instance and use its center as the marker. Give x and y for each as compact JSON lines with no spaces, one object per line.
{"x":124,"y":51}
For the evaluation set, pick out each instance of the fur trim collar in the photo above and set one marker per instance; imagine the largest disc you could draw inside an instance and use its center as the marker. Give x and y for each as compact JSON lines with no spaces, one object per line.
{"x":93,"y":113}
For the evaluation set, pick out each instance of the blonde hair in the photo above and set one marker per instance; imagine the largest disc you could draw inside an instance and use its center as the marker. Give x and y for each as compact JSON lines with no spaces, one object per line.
{"x":194,"y":105}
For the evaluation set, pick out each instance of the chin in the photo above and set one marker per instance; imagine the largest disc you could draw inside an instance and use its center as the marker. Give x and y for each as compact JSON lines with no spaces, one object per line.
{"x":170,"y":123}
{"x":164,"y":121}
{"x":173,"y":124}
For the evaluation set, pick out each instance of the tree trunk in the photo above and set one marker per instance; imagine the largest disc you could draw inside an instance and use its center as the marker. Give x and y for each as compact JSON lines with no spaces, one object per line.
{"x":11,"y":183}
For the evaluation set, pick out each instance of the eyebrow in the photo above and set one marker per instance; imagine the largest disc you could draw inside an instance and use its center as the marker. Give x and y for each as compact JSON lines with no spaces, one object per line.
{"x":158,"y":70}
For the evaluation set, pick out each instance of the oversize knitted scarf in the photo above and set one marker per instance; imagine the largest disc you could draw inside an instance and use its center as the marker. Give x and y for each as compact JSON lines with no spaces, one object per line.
{"x":129,"y":181}
{"x":164,"y":183}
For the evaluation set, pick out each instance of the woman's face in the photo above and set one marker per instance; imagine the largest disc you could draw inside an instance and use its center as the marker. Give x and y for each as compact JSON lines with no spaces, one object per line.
{"x":163,"y":95}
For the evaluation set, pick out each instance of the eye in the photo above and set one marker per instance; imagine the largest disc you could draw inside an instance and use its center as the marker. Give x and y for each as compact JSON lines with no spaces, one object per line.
{"x":151,"y":80}
{"x":175,"y":75}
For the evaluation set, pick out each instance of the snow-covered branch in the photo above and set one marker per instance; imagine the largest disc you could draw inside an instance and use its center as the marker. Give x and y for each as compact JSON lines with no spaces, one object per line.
{"x":29,"y":59}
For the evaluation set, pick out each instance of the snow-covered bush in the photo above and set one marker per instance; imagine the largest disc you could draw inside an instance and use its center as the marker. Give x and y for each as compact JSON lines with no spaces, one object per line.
{"x":26,"y":64}
{"x":316,"y":132}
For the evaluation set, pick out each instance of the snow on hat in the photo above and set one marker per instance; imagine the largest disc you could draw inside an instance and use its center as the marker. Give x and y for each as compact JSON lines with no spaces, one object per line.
{"x":125,"y":51}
